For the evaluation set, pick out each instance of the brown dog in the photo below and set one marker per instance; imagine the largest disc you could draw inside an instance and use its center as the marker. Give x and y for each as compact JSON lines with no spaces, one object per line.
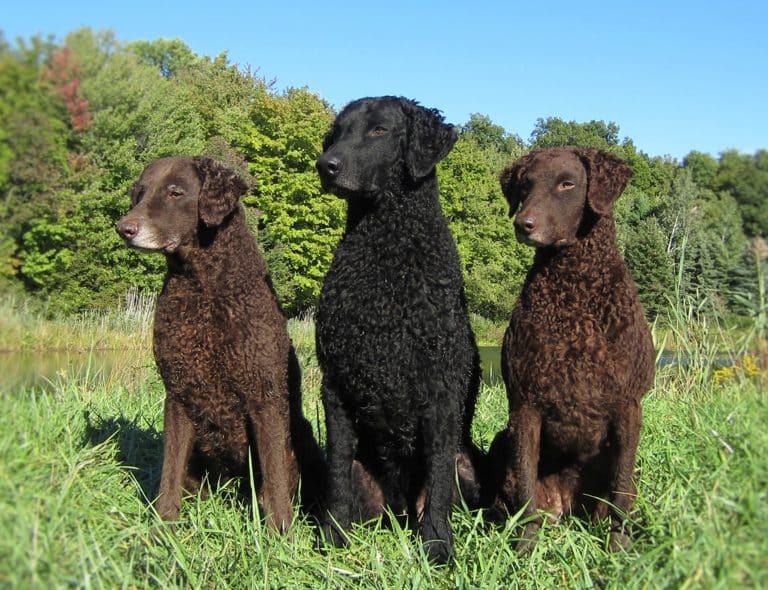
{"x":577,"y":356}
{"x":220,"y":341}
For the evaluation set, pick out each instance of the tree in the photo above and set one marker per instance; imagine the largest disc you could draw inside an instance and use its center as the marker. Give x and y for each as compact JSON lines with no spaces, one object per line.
{"x":704,"y":237}
{"x":554,"y":132}
{"x":703,"y":168}
{"x":651,"y":267}
{"x":33,"y":142}
{"x":63,"y":72}
{"x":71,"y":250}
{"x":299,"y":225}
{"x":170,"y":56}
{"x":493,"y":262}
{"x":491,"y":136}
{"x":746,"y":179}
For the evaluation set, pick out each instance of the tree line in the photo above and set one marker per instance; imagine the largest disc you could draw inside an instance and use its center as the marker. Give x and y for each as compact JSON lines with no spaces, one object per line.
{"x":81,"y":117}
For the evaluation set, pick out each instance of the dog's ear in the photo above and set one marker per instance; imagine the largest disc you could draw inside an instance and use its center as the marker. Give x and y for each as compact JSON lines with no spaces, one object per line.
{"x":429,"y":139}
{"x":510,"y":181}
{"x":607,"y":176}
{"x":221,"y":189}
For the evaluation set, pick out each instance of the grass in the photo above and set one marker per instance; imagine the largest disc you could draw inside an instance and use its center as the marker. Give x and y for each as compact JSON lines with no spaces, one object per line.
{"x":25,"y":326}
{"x":79,"y":465}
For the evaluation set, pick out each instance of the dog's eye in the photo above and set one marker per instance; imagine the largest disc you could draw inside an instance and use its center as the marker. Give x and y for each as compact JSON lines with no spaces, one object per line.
{"x":378,"y":131}
{"x":137,"y":192}
{"x":175,"y":190}
{"x":566,"y":185}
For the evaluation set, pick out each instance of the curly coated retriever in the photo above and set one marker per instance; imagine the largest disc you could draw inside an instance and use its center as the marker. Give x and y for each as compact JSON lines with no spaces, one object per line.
{"x":401,"y":368}
{"x":577,"y":356}
{"x":220,"y":341}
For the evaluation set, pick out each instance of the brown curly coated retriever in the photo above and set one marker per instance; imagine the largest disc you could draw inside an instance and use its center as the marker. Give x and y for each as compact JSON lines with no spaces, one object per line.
{"x":577,"y":356}
{"x":220,"y":341}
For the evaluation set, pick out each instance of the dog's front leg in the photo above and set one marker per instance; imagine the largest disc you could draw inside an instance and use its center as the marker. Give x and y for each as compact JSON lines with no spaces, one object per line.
{"x":440,"y":441}
{"x":525,"y":445}
{"x":270,"y":423}
{"x":178,"y":435}
{"x":625,"y":435}
{"x":342,"y":444}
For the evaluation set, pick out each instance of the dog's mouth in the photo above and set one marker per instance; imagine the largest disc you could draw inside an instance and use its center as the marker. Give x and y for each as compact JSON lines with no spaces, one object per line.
{"x":142,"y":246}
{"x":170,"y":247}
{"x":530,"y":239}
{"x":538,"y":241}
{"x":344,"y":192}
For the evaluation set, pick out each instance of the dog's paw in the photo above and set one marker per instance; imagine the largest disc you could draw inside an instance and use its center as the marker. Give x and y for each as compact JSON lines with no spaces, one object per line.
{"x":438,"y":551}
{"x":527,"y":541}
{"x":619,"y":541}
{"x":333,"y":534}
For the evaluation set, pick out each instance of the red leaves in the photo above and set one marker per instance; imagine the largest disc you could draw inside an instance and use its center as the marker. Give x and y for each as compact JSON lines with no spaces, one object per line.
{"x":63,"y":73}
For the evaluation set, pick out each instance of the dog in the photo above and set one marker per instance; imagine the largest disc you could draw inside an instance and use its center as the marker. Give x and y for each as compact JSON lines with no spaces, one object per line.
{"x":233,"y":398}
{"x":577,"y":356}
{"x":400,"y":364}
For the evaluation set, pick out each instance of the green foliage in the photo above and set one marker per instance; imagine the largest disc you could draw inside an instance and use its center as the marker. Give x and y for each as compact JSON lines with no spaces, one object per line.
{"x":170,"y":56}
{"x":645,"y":254}
{"x":222,"y":94}
{"x":69,"y":251}
{"x":494,"y":263}
{"x":554,"y":132}
{"x":80,"y":119}
{"x":703,"y":168}
{"x":491,"y":136}
{"x":704,"y":238}
{"x":300,"y":226}
{"x":746,"y":179}
{"x":750,"y":286}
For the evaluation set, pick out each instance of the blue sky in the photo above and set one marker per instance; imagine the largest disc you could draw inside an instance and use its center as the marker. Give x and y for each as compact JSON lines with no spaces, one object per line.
{"x":675,"y":76}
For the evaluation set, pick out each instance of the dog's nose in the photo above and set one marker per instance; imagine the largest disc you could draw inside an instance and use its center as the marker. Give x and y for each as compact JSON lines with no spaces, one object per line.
{"x":330,"y":166}
{"x":127,"y":228}
{"x":526,"y":223}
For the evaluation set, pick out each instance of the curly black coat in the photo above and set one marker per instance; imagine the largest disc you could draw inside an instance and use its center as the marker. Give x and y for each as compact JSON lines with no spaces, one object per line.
{"x":577,"y":356}
{"x":400,"y":364}
{"x":220,"y":341}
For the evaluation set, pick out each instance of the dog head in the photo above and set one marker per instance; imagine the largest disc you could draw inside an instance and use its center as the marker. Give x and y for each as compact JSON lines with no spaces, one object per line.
{"x":376,"y":140}
{"x":174,"y":197}
{"x":554,"y":187}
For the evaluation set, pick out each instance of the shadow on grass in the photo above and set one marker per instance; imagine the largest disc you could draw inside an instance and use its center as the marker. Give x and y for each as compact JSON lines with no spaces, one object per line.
{"x":139,"y":448}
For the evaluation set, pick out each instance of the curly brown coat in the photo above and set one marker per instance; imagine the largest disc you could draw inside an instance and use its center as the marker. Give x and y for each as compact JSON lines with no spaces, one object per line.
{"x":577,"y":356}
{"x":220,"y":341}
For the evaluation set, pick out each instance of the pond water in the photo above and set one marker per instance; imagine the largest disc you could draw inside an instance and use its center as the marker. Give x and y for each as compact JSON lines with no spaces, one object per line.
{"x":490,"y":360}
{"x":25,"y":370}
{"x":47,"y":370}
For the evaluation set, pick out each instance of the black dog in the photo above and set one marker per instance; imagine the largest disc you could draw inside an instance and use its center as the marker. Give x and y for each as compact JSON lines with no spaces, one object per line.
{"x":401,"y":368}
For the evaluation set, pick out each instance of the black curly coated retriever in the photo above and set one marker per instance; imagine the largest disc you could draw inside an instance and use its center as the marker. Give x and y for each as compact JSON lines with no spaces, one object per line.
{"x":220,"y":342}
{"x":577,"y":356}
{"x":401,"y":368}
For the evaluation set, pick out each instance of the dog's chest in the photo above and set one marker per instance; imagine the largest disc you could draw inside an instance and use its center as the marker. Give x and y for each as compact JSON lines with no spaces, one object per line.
{"x":389,"y":324}
{"x":387,"y":297}
{"x":186,"y":347}
{"x":556,"y":350}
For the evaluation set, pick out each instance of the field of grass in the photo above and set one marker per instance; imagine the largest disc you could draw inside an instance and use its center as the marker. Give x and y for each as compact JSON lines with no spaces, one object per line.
{"x":26,"y":326}
{"x":80,"y":464}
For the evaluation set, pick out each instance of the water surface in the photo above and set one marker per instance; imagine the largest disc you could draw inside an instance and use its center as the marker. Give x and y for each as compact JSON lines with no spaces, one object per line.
{"x":48,"y":370}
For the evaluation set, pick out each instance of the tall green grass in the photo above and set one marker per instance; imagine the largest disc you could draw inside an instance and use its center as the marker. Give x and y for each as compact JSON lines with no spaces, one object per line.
{"x":80,"y":465}
{"x":26,"y":325}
